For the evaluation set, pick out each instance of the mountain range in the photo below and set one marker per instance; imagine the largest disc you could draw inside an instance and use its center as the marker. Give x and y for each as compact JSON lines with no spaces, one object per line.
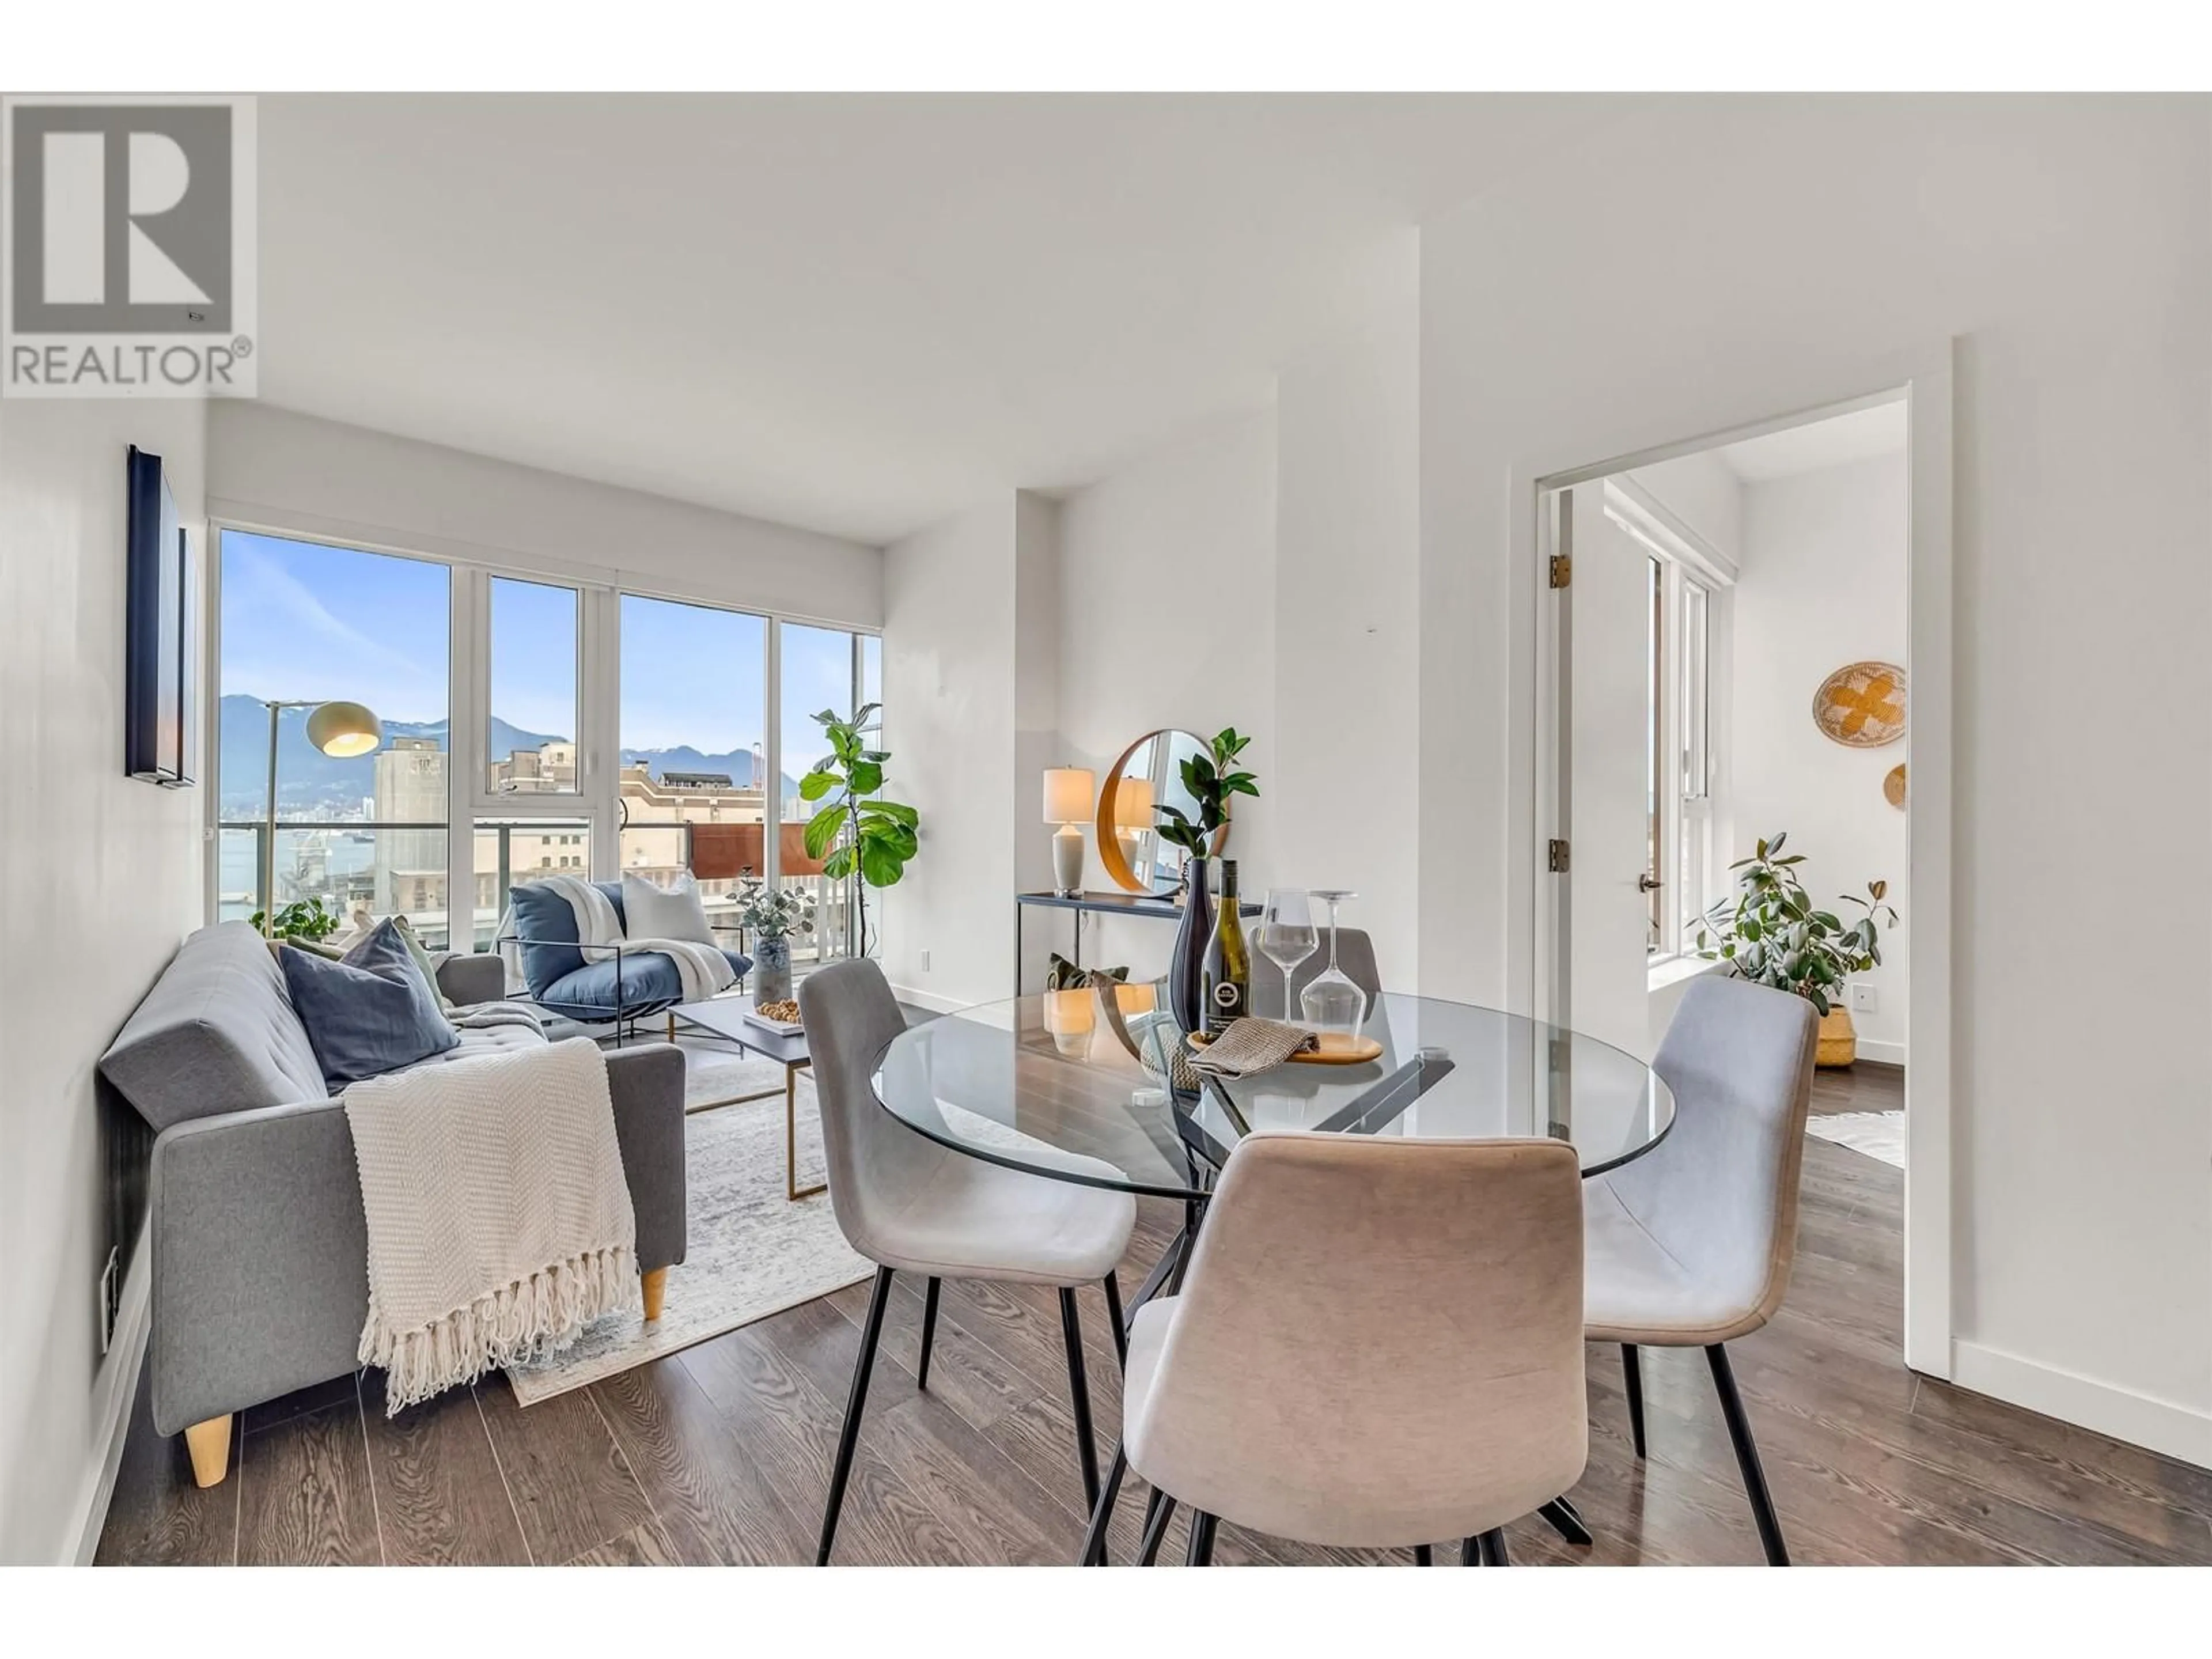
{"x":310,"y":782}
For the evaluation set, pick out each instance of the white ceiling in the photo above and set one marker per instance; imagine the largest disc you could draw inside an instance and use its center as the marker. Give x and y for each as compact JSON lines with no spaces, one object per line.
{"x":860,"y":314}
{"x":1858,"y":436}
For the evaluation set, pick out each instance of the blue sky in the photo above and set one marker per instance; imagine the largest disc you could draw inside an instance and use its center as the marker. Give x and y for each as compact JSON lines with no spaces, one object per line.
{"x":304,"y":620}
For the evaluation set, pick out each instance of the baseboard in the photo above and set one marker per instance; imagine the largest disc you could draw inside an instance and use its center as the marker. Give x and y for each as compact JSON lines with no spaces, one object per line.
{"x":1882,"y":1053}
{"x":2158,"y":1426}
{"x":113,"y":1400}
{"x":929,"y":999}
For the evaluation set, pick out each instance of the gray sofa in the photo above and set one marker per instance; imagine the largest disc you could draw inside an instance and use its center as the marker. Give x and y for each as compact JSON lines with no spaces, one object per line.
{"x":260,"y":1251}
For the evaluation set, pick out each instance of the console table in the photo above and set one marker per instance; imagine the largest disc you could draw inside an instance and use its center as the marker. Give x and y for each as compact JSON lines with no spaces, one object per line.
{"x":1099,"y":904}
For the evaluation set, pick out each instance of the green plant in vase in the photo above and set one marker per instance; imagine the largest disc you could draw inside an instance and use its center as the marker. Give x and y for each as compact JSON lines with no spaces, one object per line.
{"x":304,"y":919}
{"x":857,"y":833}
{"x":1770,"y":932}
{"x":1210,"y":778}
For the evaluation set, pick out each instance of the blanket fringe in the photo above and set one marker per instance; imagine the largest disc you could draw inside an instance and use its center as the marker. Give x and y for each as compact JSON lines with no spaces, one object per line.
{"x":511,"y":1326}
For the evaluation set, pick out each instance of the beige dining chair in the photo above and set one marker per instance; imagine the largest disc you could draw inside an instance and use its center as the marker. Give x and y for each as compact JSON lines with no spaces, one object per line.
{"x":910,"y":1205}
{"x":1355,"y":957}
{"x":1690,"y":1246}
{"x":1377,"y":1344}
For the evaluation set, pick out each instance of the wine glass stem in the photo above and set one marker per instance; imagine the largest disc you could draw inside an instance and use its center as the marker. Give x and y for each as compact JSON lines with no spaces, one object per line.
{"x":1332,"y":936}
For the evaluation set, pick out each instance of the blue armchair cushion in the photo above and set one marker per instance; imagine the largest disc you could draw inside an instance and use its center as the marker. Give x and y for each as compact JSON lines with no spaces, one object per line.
{"x":370,"y":1011}
{"x":649,"y":984}
{"x":547,"y":927}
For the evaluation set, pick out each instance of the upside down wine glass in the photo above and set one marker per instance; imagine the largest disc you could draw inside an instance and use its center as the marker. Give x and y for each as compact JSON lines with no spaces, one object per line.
{"x":1332,"y":1004}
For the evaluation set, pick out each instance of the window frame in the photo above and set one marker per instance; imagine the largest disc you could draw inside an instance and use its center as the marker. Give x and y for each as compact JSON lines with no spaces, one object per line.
{"x":595,"y":807}
{"x":1686,"y":814}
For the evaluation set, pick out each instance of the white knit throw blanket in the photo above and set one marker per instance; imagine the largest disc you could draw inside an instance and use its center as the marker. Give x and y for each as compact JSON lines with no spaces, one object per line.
{"x":500,"y":1223}
{"x":704,"y":971}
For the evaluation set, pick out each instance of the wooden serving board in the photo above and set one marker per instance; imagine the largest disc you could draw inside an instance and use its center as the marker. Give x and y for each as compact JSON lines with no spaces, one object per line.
{"x":1334,"y":1050}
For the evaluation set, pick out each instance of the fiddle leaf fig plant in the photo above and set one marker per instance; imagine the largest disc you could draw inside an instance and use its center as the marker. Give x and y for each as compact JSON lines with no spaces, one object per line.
{"x":1210,"y":778}
{"x":857,"y":832}
{"x":1770,"y":932}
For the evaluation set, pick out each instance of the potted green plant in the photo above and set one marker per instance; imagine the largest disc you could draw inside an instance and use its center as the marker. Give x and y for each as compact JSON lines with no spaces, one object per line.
{"x":303,"y":919}
{"x":1770,"y":934}
{"x":859,"y":832}
{"x":770,"y":915}
{"x":1210,"y":778}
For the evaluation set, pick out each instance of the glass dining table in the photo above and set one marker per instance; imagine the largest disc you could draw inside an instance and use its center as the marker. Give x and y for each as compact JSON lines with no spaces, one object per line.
{"x":1084,"y":1085}
{"x":1027,"y":1082}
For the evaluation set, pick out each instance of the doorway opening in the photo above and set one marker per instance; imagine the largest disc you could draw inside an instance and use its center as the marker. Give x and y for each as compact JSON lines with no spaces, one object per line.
{"x":1723,"y":685}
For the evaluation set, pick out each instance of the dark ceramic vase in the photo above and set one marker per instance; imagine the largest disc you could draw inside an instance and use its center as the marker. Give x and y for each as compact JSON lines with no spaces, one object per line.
{"x":1187,"y":968}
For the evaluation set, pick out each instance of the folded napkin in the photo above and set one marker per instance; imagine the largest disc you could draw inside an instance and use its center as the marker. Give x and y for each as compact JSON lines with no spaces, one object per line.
{"x":1251,"y":1045}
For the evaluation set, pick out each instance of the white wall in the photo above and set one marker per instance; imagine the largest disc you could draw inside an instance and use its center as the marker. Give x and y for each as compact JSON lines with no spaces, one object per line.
{"x":1827,"y":244}
{"x":272,"y":467}
{"x":1824,"y":583}
{"x":99,"y":880}
{"x":1345,"y":769}
{"x":949,"y":725}
{"x":1167,"y":618}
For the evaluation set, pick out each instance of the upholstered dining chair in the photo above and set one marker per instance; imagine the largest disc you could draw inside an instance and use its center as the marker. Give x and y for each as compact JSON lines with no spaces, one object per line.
{"x":1377,"y":1344}
{"x":1691,"y":1245}
{"x":1355,"y":956}
{"x":912,"y":1206}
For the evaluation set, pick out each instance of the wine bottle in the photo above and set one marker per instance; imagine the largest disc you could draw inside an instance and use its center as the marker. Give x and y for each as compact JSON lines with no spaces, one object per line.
{"x":1228,"y":972}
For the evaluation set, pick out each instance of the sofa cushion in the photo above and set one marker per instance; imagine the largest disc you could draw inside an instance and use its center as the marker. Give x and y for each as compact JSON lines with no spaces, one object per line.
{"x":374,"y":1012}
{"x":215,"y":1034}
{"x":649,"y":982}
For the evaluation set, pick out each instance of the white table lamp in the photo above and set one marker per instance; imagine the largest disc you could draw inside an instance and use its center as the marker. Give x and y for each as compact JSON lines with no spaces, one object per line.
{"x":1067,"y":803}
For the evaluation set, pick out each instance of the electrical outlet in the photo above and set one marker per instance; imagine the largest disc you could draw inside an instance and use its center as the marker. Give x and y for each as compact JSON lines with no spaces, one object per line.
{"x":1865,"y":998}
{"x":924,"y":962}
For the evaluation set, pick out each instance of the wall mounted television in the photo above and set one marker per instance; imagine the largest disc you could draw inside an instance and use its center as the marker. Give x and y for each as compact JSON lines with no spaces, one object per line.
{"x":161,"y":679}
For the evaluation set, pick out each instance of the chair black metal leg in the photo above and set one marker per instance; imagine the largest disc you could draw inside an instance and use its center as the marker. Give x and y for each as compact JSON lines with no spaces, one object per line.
{"x":1747,"y":1457}
{"x":1159,"y":1276}
{"x":1113,"y":1319}
{"x":1631,"y":1373}
{"x":1159,"y":1510}
{"x":1470,"y":1552}
{"x":1079,"y":1389}
{"x":928,"y":1330}
{"x":1201,"y":1553}
{"x":1094,"y":1540}
{"x":1423,"y":1556}
{"x":848,"y":1438}
{"x":1492,"y":1545}
{"x":1566,"y":1521}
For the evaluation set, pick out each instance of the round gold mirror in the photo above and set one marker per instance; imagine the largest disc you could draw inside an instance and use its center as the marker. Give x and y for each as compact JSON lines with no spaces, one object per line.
{"x":1147,"y":776}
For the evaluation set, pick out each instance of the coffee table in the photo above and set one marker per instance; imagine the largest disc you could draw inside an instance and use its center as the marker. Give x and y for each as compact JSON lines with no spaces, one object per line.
{"x":725,"y":1018}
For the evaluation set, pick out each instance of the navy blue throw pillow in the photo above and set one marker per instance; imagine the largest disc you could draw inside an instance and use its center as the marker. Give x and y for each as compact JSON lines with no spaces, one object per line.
{"x":370,"y":1013}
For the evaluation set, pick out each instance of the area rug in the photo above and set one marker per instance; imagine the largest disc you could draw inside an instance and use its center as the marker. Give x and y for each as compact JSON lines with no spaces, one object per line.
{"x":752,"y":1252}
{"x":1877,"y":1135}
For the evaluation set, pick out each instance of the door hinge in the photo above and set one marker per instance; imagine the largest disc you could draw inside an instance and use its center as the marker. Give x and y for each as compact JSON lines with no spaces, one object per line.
{"x":1556,"y":857}
{"x":1563,"y":569}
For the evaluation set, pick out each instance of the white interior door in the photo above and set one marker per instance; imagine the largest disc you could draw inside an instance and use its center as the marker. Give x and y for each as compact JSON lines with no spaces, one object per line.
{"x":1608,"y":644}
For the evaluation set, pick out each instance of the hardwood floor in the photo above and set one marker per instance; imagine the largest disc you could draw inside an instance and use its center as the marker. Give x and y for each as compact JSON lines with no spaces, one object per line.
{"x":721,"y":1454}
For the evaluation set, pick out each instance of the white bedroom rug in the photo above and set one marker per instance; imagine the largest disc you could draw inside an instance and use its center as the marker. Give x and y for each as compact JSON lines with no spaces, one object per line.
{"x":1877,"y":1135}
{"x":752,"y":1251}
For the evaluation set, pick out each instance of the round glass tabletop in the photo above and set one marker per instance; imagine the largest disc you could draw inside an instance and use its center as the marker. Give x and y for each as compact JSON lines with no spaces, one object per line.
{"x":1030,"y":1082}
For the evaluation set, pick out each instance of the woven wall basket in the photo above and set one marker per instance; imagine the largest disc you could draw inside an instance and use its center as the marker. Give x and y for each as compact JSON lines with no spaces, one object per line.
{"x":1862,"y":706}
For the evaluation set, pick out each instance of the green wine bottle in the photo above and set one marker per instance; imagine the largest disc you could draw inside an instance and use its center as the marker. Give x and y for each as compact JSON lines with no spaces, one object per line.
{"x":1228,"y":971}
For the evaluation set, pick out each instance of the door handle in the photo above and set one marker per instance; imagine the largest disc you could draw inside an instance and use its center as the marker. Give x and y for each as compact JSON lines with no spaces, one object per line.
{"x":1648,"y":883}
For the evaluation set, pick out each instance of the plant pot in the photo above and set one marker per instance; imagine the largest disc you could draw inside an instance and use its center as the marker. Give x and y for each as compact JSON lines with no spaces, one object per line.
{"x":1187,"y":968}
{"x":1839,"y":1041}
{"x":771,"y":970}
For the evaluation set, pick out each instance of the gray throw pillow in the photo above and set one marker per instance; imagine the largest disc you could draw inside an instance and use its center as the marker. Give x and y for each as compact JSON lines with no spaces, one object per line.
{"x":651,"y":912}
{"x":370,"y":1012}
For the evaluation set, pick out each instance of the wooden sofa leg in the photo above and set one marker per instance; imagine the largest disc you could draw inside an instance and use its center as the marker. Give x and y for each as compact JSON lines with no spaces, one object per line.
{"x":210,"y":1445}
{"x":654,"y":1283}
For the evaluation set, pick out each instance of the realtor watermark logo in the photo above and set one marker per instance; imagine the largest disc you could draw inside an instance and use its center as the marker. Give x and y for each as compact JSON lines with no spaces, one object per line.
{"x":127,"y":248}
